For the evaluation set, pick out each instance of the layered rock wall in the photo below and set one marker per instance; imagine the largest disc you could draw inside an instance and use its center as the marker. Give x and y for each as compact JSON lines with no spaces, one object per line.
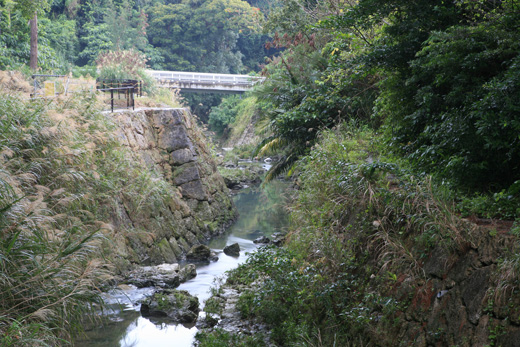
{"x":169,"y":144}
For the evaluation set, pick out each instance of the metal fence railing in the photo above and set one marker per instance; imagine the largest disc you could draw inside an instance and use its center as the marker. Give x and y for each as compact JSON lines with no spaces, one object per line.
{"x":122,"y":92}
{"x":116,"y":93}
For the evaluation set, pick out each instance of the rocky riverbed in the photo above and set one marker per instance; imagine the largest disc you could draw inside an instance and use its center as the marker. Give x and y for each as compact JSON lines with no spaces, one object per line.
{"x":155,"y":305}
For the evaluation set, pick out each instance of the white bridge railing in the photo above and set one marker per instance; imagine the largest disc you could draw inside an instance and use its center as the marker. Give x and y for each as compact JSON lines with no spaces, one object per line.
{"x":205,"y":81}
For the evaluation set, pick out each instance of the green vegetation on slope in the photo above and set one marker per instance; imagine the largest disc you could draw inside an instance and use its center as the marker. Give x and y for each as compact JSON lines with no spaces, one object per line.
{"x":235,"y":121}
{"x":63,"y":173}
{"x":437,"y":78}
{"x":353,"y":272}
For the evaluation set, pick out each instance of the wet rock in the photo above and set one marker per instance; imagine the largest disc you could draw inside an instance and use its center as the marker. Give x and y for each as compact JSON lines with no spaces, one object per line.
{"x":233,"y":182}
{"x":163,"y":276}
{"x":262,"y":239}
{"x":230,"y":165}
{"x":232,"y":250}
{"x":230,"y":318}
{"x":209,"y":321}
{"x":177,"y":305}
{"x":199,"y":253}
{"x":241,"y":177}
{"x":188,"y":272}
{"x":213,"y":256}
{"x":277,"y":242}
{"x":278,"y":239}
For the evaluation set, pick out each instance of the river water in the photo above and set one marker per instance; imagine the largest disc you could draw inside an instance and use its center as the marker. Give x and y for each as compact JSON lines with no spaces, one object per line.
{"x":261,"y":212}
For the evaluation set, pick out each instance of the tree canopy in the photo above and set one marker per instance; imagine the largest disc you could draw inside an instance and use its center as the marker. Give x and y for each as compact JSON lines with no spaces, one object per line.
{"x":437,"y":77}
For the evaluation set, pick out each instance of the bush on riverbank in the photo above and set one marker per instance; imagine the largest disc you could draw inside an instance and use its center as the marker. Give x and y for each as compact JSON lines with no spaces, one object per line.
{"x":370,"y":245}
{"x":221,"y":338}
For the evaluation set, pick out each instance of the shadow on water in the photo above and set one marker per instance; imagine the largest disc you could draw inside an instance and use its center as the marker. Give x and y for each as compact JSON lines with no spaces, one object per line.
{"x":261,"y":212}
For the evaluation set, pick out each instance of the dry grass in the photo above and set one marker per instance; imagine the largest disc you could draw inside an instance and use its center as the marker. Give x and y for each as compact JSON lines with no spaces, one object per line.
{"x":14,"y":81}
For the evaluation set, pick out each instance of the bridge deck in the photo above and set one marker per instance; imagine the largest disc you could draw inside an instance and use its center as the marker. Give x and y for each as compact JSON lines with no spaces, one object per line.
{"x":197,"y":81}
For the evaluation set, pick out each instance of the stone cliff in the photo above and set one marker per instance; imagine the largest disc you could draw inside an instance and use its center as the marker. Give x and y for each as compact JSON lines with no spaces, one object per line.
{"x":170,"y":145}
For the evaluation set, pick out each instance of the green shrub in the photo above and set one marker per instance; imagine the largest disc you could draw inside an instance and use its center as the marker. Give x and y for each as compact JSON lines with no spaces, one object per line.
{"x":224,"y":114}
{"x":125,"y":64}
{"x":456,"y":115}
{"x":221,"y":338}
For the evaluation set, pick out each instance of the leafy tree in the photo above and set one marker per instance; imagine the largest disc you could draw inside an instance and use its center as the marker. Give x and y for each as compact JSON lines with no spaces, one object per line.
{"x":16,"y":12}
{"x":224,"y":114}
{"x":201,"y":35}
{"x":456,"y":115}
{"x":94,"y":40}
{"x":112,"y":25}
{"x":61,"y":34}
{"x":314,"y":83}
{"x":438,"y":62}
{"x":14,"y":40}
{"x":253,"y":50}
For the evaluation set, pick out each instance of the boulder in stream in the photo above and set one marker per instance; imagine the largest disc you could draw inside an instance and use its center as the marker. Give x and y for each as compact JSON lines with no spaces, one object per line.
{"x":278,"y":239}
{"x":199,"y":253}
{"x":177,"y":305}
{"x":232,"y":250}
{"x":262,"y":239}
{"x":163,"y":276}
{"x":188,"y":272}
{"x":213,"y":256}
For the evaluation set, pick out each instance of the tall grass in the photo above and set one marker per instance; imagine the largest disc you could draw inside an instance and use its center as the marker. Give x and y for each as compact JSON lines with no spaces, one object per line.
{"x":63,"y":178}
{"x":49,"y":268}
{"x":70,"y":196}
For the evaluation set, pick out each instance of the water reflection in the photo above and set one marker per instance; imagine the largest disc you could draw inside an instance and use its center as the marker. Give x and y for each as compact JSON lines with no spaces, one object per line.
{"x":261,"y":212}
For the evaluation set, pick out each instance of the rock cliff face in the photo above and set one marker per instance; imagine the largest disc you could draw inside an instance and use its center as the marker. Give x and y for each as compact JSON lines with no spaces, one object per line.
{"x":459,"y":302}
{"x":170,"y":145}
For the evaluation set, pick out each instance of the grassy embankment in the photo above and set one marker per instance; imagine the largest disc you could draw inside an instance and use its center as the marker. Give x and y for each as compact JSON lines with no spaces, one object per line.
{"x":361,"y":227}
{"x":61,"y":168}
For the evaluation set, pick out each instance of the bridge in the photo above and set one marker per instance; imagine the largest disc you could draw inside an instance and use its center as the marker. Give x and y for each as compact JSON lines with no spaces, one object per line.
{"x":205,"y":82}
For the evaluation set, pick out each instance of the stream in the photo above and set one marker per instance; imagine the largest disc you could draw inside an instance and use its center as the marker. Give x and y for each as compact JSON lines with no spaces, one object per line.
{"x":261,"y":212}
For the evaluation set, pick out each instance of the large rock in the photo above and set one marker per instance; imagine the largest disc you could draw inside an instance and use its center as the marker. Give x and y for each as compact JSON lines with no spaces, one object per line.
{"x":182,"y":156}
{"x":173,"y":137}
{"x":177,"y":305}
{"x":262,"y":239}
{"x":199,"y":253}
{"x":232,"y":250}
{"x":194,"y":190}
{"x":188,"y":272}
{"x":163,"y":276}
{"x":186,"y":173}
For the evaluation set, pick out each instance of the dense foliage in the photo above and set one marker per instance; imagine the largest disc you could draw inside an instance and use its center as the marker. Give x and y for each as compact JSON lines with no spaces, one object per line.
{"x":209,"y":35}
{"x":48,"y":246}
{"x":355,"y":269}
{"x":438,"y":78}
